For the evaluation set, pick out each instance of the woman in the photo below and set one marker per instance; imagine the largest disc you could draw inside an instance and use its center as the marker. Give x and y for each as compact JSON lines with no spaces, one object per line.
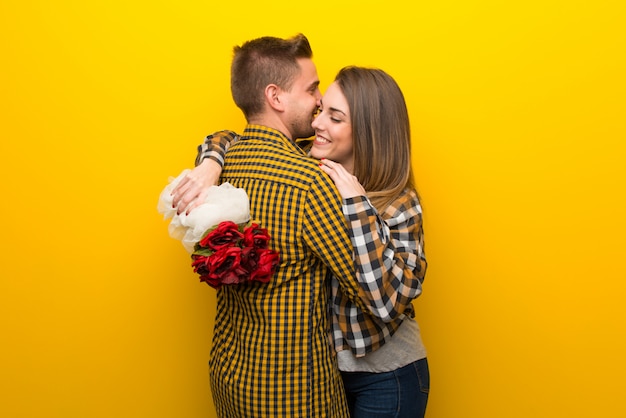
{"x":363,"y":143}
{"x":362,"y":138}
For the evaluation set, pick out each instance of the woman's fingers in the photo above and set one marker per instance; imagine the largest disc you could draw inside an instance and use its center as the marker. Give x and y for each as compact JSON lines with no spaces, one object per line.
{"x":347,"y":184}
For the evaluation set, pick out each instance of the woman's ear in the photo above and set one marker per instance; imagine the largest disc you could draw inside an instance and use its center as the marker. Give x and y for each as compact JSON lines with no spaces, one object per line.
{"x":273,"y":97}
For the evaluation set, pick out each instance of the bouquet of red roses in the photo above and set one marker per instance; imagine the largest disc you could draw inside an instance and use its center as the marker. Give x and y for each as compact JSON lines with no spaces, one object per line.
{"x":225,"y":246}
{"x":231,"y":253}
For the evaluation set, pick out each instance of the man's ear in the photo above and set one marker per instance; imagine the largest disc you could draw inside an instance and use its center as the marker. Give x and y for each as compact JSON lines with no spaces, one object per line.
{"x":273,"y":97}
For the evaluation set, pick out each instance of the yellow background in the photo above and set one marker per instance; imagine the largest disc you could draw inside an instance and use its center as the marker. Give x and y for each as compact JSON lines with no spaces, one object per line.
{"x":518,"y":118}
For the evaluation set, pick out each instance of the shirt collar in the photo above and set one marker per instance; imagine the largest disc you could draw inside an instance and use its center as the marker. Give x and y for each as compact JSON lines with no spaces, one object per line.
{"x":270,"y":134}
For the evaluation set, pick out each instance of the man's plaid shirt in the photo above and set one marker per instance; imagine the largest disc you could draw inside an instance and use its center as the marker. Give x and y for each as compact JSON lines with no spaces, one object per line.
{"x":390,"y":262}
{"x":271,"y":354}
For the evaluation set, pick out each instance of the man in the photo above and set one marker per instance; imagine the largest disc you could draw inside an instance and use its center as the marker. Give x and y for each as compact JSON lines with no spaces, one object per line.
{"x":271,"y":354}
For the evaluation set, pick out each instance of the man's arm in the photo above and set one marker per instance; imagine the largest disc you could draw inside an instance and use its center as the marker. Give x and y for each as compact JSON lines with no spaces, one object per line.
{"x":192,"y":189}
{"x":325,"y":232}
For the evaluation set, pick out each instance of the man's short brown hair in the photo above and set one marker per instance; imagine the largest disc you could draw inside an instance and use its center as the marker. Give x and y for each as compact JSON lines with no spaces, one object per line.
{"x":263,"y":61}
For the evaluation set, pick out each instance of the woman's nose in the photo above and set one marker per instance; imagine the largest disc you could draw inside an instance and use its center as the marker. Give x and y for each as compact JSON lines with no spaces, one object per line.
{"x":315,"y":124}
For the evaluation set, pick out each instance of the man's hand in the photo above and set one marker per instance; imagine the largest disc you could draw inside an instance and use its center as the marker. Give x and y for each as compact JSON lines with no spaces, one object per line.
{"x":192,"y":189}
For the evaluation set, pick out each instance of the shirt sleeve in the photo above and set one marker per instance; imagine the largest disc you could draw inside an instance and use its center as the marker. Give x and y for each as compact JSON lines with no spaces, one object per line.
{"x":215,"y":146}
{"x":389,"y":253}
{"x":326,"y":234}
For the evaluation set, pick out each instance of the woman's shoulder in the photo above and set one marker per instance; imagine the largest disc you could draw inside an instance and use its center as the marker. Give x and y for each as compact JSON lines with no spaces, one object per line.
{"x":407,"y":199}
{"x":405,"y":205}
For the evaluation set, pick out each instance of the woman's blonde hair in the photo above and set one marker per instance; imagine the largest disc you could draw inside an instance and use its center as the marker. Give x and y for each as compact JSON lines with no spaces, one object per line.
{"x":380,"y":132}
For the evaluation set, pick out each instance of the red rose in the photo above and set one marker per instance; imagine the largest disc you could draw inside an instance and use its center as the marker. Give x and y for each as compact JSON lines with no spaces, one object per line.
{"x":255,"y":236}
{"x":225,"y":266}
{"x":261,"y":263}
{"x":225,"y":255}
{"x":211,"y":281}
{"x":199,"y":264}
{"x":226,"y":234}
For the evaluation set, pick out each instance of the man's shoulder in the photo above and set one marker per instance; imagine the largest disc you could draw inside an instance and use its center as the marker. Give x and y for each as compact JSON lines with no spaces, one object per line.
{"x":268,"y":159}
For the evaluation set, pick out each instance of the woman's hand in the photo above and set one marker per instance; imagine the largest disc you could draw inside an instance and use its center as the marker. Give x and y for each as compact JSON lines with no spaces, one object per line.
{"x":347,"y":184}
{"x":192,"y":189}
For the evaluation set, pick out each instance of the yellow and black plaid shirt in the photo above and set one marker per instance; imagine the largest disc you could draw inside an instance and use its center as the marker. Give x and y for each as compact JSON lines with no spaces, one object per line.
{"x":390,"y":261}
{"x":271,"y":354}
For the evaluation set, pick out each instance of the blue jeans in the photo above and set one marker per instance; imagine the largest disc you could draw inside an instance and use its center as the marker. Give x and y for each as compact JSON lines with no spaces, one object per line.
{"x":402,"y":393}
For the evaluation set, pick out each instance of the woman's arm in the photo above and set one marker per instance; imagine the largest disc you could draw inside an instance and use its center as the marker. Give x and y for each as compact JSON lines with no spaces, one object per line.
{"x":192,"y":189}
{"x":389,"y":252}
{"x":388,"y":249}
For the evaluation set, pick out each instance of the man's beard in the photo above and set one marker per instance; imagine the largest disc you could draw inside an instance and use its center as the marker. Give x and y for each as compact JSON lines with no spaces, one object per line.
{"x":302,"y":128}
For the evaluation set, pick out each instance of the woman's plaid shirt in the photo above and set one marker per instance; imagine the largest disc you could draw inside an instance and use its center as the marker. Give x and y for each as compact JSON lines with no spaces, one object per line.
{"x":391,"y":264}
{"x":390,"y":258}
